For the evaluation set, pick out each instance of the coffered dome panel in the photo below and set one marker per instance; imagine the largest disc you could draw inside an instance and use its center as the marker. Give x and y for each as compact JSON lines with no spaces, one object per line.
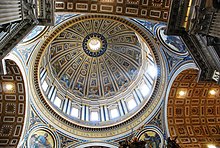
{"x":95,"y":58}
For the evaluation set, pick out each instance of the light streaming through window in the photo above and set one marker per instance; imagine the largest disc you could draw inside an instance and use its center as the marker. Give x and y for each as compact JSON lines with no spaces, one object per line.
{"x":57,"y":102}
{"x":211,"y":146}
{"x":74,"y":112}
{"x":44,"y":85}
{"x":131,"y":104}
{"x":144,"y":90}
{"x":152,"y":70}
{"x":94,"y":116}
{"x":114,"y":113}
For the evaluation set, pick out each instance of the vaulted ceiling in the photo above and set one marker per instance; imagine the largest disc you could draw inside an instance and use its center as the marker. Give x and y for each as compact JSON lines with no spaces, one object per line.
{"x":193,"y":111}
{"x":12,"y":105}
{"x":157,"y":10}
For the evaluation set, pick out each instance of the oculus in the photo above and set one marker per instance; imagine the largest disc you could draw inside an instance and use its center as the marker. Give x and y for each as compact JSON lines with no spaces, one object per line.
{"x":94,"y":44}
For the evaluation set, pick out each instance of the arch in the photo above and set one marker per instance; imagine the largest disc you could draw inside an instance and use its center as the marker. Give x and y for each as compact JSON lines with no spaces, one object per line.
{"x":178,"y":71}
{"x":13,"y":104}
{"x":13,"y":56}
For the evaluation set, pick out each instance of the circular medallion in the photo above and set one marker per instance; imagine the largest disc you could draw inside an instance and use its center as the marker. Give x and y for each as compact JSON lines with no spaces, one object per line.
{"x":151,"y":136}
{"x":35,"y":34}
{"x":94,"y":44}
{"x":174,"y":44}
{"x":40,"y":136}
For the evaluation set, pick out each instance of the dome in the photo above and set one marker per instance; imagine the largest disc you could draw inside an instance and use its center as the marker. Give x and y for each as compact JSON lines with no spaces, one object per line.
{"x":95,"y":59}
{"x":96,"y":72}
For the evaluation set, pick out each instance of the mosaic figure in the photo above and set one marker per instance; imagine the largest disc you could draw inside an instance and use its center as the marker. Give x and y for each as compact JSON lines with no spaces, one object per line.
{"x":41,"y":139}
{"x":151,"y":139}
{"x":174,"y":42}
